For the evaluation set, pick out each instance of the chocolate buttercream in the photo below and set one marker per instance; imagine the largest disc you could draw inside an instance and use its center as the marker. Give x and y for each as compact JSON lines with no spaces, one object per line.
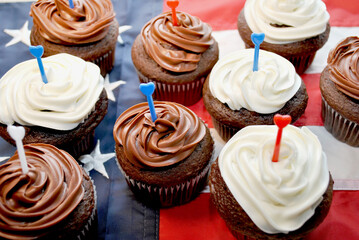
{"x":343,"y":63}
{"x":176,"y":48}
{"x":87,"y":22}
{"x":33,"y":203}
{"x":170,"y":139}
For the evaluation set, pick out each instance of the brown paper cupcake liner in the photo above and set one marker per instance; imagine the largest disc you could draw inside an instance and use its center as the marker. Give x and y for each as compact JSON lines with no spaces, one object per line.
{"x":340,"y":127}
{"x":225,"y":131}
{"x":79,"y":147}
{"x":183,"y":93}
{"x":179,"y":194}
{"x":105,"y":62}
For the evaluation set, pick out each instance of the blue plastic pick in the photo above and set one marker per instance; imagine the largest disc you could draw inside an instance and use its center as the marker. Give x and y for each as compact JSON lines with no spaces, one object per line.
{"x":71,"y":4}
{"x":257,"y":39}
{"x":37,"y":52}
{"x":147,"y":89}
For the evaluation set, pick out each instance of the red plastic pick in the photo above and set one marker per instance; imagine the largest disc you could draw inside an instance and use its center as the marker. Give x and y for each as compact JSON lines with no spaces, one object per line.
{"x":173,"y":4}
{"x":281,"y":121}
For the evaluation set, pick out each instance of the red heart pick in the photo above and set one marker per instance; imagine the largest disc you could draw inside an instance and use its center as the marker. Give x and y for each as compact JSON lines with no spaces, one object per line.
{"x":173,"y":4}
{"x":281,"y":121}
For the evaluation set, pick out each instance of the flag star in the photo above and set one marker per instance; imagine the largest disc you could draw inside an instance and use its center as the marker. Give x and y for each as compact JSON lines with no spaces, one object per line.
{"x":95,"y":160}
{"x":3,"y":158}
{"x":21,"y":35}
{"x":122,"y":29}
{"x":109,"y":87}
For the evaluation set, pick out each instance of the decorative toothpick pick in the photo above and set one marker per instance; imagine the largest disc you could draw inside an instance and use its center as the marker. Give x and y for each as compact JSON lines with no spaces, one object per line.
{"x":147,"y":89}
{"x":257,"y":39}
{"x":37,"y":52}
{"x":18,"y":133}
{"x":173,"y":4}
{"x":281,"y":121}
{"x":71,"y":4}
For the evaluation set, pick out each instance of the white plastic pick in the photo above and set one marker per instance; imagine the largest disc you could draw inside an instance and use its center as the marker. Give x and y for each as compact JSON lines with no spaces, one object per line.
{"x":18,"y":133}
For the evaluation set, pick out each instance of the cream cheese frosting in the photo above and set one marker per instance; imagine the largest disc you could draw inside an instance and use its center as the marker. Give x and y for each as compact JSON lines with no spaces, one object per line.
{"x":280,"y":196}
{"x":284,"y":21}
{"x":73,"y":88}
{"x":233,"y":82}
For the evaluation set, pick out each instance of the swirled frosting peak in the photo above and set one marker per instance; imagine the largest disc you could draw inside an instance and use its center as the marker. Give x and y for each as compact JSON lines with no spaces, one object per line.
{"x":87,"y":22}
{"x":73,"y":88}
{"x":285,"y":21}
{"x":343,"y":63}
{"x":233,"y":82}
{"x":280,"y":196}
{"x":176,"y":48}
{"x":170,"y":139}
{"x":32,"y":203}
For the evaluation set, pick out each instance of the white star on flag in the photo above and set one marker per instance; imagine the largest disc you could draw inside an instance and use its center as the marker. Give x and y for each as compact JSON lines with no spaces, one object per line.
{"x":19,"y":35}
{"x":3,"y":158}
{"x":122,"y":29}
{"x":95,"y":160}
{"x":109,"y":87}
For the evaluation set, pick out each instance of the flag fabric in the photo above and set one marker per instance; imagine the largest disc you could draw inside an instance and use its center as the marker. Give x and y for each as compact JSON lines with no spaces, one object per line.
{"x":120,"y":215}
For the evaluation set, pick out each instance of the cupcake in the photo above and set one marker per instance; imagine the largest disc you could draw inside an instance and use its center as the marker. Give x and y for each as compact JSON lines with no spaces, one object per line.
{"x":177,"y":59}
{"x":293,"y":29}
{"x":339,"y":86}
{"x":262,"y":199}
{"x":64,"y":112}
{"x":56,"y":199}
{"x":89,"y":30}
{"x":236,"y":96}
{"x":165,"y":162}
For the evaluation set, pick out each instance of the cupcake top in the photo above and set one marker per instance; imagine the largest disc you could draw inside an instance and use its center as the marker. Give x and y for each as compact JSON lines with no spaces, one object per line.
{"x":284,"y":21}
{"x":343,"y":64}
{"x":73,"y":88}
{"x":170,"y":139}
{"x":280,"y":196}
{"x":87,"y":22}
{"x":43,"y":197}
{"x":176,"y":48}
{"x":233,"y":82}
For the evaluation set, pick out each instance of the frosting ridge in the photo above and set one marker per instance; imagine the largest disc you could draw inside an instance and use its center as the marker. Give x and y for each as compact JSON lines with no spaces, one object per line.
{"x":170,"y":139}
{"x":176,"y":48}
{"x":280,"y":196}
{"x":233,"y":82}
{"x":343,"y":63}
{"x":42,"y":198}
{"x":87,"y":22}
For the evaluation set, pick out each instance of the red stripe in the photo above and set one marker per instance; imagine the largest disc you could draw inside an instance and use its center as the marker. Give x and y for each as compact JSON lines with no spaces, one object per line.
{"x":200,"y":220}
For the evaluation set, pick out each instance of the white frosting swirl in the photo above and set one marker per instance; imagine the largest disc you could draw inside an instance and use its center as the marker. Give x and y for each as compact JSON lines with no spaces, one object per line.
{"x":306,"y":18}
{"x":280,"y":196}
{"x":73,"y":88}
{"x":232,"y":81}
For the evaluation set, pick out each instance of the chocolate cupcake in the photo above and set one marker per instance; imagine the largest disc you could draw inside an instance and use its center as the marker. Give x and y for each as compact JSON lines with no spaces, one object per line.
{"x":176,"y":58}
{"x":293,"y":29}
{"x":89,"y":30}
{"x":64,"y":112}
{"x":56,"y":199}
{"x":237,"y":97}
{"x":339,"y":86}
{"x":262,"y":199}
{"x":165,"y":162}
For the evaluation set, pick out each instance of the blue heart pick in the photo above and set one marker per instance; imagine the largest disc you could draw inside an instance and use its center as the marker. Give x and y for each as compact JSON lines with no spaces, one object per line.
{"x":257,"y":39}
{"x":147,"y":89}
{"x":36,"y":51}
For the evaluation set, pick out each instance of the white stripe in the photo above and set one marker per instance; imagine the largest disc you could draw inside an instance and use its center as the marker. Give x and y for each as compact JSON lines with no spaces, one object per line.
{"x":13,"y":1}
{"x":229,"y":41}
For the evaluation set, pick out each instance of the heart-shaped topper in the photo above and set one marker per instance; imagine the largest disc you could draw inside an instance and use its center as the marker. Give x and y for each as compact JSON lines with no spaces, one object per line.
{"x":173,"y":4}
{"x":281,"y":121}
{"x":37,"y":52}
{"x":257,"y":39}
{"x":18,"y":133}
{"x":147,"y":89}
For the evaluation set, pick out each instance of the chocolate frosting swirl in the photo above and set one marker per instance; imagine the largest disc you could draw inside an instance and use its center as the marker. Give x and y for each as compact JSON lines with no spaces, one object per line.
{"x":170,"y":139}
{"x":343,"y":63}
{"x":31,"y":204}
{"x":87,"y":22}
{"x":176,"y":48}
